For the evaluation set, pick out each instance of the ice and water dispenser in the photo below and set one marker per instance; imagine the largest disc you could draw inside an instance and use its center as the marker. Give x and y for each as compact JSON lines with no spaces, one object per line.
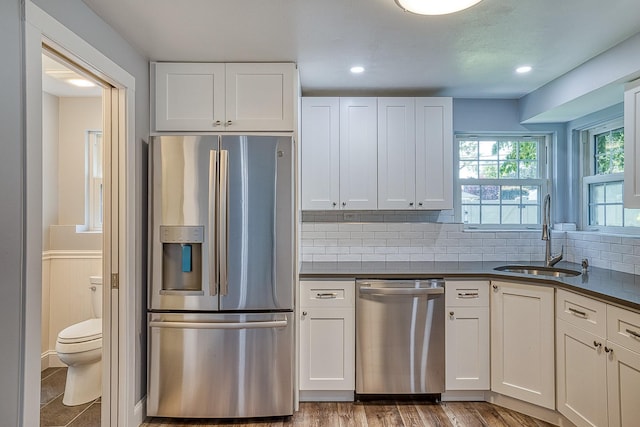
{"x":181,"y":259}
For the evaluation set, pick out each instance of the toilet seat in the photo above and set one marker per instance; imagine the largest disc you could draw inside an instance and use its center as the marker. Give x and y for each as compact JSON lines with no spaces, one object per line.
{"x":88,"y":330}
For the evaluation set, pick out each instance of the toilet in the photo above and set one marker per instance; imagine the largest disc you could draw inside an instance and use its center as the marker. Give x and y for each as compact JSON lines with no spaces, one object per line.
{"x":80,"y":348}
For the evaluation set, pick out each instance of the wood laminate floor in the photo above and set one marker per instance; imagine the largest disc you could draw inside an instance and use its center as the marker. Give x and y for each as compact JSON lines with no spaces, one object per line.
{"x":378,"y":414}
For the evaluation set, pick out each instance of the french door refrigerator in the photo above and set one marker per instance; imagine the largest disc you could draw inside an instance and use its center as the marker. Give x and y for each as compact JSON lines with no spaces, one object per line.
{"x":220,"y":340}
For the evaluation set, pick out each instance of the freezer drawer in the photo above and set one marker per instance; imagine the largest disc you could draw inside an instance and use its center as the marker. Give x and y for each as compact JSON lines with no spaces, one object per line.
{"x":400,"y":337}
{"x":220,"y":365}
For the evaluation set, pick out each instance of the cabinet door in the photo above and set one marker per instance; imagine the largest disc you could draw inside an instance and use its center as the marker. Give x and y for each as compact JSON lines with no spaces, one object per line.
{"x":327,"y":349}
{"x":632,"y":145}
{"x":396,"y":153}
{"x":190,"y":96}
{"x":358,"y":154}
{"x":467,"y":348}
{"x":623,"y":383}
{"x":582,"y":375}
{"x":434,"y":153}
{"x":260,"y":97}
{"x":522,"y":342}
{"x":320,"y":153}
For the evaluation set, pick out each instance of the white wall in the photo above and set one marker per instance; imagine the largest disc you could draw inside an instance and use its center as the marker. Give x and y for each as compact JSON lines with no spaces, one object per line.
{"x":50,"y":132}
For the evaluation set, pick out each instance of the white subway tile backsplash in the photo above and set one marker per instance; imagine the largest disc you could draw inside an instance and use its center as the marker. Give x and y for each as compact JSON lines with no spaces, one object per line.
{"x":337,"y":240}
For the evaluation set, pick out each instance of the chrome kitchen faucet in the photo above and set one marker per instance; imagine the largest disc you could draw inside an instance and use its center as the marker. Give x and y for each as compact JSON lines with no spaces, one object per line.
{"x":549,"y":259}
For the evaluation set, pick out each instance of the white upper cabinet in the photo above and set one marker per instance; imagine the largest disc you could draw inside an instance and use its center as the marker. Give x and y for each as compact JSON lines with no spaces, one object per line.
{"x":224,"y":97}
{"x":396,"y":153}
{"x":434,"y":153}
{"x":358,"y":154}
{"x":190,"y":96}
{"x":320,"y":153}
{"x":632,"y":145}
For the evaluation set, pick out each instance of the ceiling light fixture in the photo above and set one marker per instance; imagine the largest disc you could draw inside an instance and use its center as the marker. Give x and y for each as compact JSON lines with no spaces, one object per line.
{"x":357,"y":69}
{"x":435,"y":7}
{"x":81,"y":82}
{"x":523,"y":69}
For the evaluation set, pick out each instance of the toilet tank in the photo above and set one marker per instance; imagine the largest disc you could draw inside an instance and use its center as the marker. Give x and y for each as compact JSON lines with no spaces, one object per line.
{"x":95,"y":285}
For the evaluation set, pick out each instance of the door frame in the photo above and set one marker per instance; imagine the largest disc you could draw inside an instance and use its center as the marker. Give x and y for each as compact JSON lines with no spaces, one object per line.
{"x":119,"y":406}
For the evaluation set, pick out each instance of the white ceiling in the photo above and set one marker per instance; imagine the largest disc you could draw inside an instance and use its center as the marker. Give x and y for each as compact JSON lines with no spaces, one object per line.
{"x":471,"y":54}
{"x":56,"y":76}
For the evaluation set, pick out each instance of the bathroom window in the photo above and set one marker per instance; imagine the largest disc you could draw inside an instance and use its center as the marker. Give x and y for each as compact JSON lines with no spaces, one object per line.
{"x":603,"y":182}
{"x":501,"y":180}
{"x":94,"y":180}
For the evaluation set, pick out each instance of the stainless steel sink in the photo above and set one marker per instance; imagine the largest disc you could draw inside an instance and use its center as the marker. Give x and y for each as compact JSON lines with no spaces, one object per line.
{"x":535,"y":270}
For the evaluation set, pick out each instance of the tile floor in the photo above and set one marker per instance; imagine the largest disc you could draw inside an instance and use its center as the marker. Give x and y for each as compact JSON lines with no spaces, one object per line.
{"x":53,"y":413}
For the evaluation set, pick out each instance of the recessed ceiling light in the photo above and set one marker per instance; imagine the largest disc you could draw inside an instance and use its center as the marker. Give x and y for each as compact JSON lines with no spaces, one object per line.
{"x":435,"y":7}
{"x":81,"y":82}
{"x":357,"y":69}
{"x":523,"y":69}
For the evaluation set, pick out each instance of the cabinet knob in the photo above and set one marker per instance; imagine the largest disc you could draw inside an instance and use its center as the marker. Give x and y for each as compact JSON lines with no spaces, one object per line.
{"x":344,"y":203}
{"x":229,"y":123}
{"x":597,"y":344}
{"x":304,"y":313}
{"x":451,"y":313}
{"x":608,"y":350}
{"x":419,"y":203}
{"x":334,"y":203}
{"x":217,"y":123}
{"x":495,"y":287}
{"x":410,"y":203}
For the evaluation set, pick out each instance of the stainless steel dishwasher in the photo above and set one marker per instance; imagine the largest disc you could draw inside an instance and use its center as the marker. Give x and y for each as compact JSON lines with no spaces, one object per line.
{"x":400,"y":337}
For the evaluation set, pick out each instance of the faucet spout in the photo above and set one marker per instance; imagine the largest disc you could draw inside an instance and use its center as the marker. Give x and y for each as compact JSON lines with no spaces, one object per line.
{"x":549,"y":259}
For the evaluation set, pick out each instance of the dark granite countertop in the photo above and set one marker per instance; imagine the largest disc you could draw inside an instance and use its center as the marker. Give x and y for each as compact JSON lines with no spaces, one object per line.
{"x":609,"y":285}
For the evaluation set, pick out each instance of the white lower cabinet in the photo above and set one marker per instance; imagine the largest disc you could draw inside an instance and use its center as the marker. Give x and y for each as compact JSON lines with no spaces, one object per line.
{"x":522,"y":342}
{"x":597,"y":362}
{"x":327,"y":335}
{"x":467,"y":335}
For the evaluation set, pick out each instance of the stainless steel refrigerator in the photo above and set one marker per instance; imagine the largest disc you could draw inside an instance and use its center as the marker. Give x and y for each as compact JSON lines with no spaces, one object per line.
{"x":221,"y":277}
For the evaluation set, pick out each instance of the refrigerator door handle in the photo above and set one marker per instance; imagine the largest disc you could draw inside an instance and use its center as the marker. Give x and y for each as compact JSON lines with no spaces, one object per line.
{"x":219,"y":325}
{"x":213,"y":179}
{"x":223,"y":232}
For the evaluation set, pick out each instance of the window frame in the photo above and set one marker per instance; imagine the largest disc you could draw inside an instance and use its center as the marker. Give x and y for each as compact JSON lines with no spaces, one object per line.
{"x":589,"y":178}
{"x":543,"y":173}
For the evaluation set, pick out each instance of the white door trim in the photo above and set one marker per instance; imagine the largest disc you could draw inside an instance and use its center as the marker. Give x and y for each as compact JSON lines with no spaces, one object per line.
{"x":40,"y":26}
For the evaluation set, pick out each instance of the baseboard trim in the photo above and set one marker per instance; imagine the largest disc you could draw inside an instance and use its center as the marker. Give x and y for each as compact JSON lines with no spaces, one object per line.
{"x":326,"y":396}
{"x":50,"y":359}
{"x":463,"y":396}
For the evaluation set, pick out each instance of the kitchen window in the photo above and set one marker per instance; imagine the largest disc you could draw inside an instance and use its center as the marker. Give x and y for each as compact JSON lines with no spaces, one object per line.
{"x":603,"y":182}
{"x":501,"y":180}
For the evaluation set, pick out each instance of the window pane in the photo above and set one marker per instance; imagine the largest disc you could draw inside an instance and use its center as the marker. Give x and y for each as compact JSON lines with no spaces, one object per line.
{"x":596,"y":215}
{"x":528,"y":151}
{"x":508,"y":150}
{"x":488,"y":150}
{"x":509,"y":169}
{"x":469,"y":170}
{"x":613,"y":192}
{"x":511,"y":214}
{"x":530,"y":214}
{"x":528,"y":169}
{"x":471,"y":214}
{"x":468,"y":150}
{"x":632,"y":217}
{"x":597,"y":193}
{"x":489,"y":193}
{"x":613,"y":216}
{"x":470,"y":194}
{"x":488,"y":170}
{"x":510,"y":194}
{"x":490,"y":214}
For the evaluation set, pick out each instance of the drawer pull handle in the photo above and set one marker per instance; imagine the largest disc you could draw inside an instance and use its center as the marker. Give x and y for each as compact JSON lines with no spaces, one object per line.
{"x":467,"y":295}
{"x":633,"y":333}
{"x":578,"y":312}
{"x":327,"y":295}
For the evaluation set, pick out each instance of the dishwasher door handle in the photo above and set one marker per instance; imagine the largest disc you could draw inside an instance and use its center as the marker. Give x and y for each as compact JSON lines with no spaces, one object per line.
{"x":402,"y":291}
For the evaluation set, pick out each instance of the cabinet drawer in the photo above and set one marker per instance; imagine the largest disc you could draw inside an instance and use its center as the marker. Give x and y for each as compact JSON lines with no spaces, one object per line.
{"x":327,"y":293}
{"x":585,"y":313}
{"x":623,"y":327}
{"x":467,"y":293}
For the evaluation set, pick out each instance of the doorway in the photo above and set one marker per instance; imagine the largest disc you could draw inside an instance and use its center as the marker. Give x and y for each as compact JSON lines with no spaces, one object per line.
{"x":73,"y":144}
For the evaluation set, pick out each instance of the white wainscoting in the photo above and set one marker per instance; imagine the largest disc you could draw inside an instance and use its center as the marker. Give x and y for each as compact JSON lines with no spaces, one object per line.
{"x":66,"y":297}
